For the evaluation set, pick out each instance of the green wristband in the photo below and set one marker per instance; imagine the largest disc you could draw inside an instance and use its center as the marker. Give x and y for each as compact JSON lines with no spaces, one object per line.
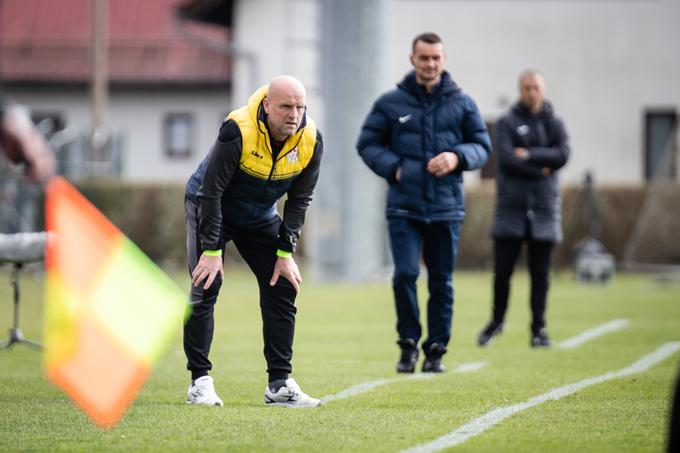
{"x":283,"y":254}
{"x":212,"y":252}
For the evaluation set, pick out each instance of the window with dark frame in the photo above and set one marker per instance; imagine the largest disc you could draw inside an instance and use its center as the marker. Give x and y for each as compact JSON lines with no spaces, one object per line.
{"x":660,"y":147}
{"x":178,"y":134}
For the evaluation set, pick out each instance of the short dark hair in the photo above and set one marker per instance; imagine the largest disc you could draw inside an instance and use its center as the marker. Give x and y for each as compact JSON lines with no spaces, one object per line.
{"x":430,"y":38}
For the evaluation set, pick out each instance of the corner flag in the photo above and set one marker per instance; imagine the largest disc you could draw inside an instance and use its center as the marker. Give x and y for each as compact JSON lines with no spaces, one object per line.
{"x":109,"y":310}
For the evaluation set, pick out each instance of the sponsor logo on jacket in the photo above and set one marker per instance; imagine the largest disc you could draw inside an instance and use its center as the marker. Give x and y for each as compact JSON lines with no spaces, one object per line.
{"x":293,"y":156}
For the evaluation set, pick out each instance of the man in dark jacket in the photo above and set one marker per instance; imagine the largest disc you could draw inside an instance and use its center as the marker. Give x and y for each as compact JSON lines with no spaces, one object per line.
{"x":531,"y":145}
{"x":421,"y":137}
{"x":264,"y":150}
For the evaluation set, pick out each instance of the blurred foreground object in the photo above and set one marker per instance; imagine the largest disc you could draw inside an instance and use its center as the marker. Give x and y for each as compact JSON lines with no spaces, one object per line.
{"x":109,"y":311}
{"x":23,"y":152}
{"x":593,"y":263}
{"x":21,"y":142}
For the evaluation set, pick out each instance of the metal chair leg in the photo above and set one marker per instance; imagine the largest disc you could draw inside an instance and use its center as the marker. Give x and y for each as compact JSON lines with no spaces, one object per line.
{"x":15,"y":334}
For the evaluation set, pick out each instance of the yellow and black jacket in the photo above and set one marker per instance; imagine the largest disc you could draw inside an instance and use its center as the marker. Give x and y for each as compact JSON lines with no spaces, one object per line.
{"x":244,"y":175}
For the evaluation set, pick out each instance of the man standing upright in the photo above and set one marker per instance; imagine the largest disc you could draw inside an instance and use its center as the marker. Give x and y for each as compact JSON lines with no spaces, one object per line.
{"x":531,"y":145}
{"x":421,"y":137}
{"x":264,"y":150}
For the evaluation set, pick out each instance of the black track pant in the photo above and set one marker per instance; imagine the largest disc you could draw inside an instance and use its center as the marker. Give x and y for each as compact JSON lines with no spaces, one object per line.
{"x":506,"y":252}
{"x":257,"y":245}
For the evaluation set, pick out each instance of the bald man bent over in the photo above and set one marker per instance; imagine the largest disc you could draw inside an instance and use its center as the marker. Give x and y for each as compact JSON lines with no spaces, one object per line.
{"x":264,"y":150}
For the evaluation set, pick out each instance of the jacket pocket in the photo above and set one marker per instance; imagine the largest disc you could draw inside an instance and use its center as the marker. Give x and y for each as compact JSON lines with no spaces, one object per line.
{"x":412,"y":177}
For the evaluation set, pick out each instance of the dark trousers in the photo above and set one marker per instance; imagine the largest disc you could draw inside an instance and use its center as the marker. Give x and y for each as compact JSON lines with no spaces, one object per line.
{"x":439,"y":243}
{"x":257,"y":245}
{"x":506,"y":252}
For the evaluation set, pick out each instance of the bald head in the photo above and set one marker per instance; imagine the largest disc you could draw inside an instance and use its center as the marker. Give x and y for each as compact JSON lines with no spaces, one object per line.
{"x":285,"y":84}
{"x":284,"y":106}
{"x":532,"y":89}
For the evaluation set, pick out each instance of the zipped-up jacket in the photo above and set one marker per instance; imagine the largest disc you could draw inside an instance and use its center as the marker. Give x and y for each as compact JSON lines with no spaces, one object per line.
{"x":243,"y":176}
{"x":528,"y":200}
{"x":405,"y":129}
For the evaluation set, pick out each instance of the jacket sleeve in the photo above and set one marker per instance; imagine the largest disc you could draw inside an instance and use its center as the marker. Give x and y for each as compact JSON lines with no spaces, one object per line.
{"x":223,"y":160}
{"x":476,"y":147}
{"x":508,"y":162}
{"x":373,"y":144}
{"x":554,"y":157}
{"x":299,"y":197}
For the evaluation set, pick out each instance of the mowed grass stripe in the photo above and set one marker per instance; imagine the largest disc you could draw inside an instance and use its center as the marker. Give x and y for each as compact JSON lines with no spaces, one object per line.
{"x":595,"y":332}
{"x":480,"y":424}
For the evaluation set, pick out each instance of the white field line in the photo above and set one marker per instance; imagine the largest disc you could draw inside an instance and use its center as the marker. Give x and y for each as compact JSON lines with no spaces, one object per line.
{"x":590,"y":334}
{"x":364,"y":387}
{"x":490,"y":419}
{"x":468,"y":367}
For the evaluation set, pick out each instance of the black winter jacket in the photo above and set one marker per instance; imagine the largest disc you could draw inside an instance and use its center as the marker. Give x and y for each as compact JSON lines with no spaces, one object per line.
{"x":406,"y":128}
{"x":528,"y":200}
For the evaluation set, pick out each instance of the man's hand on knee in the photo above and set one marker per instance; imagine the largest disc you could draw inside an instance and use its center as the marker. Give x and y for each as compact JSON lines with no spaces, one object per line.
{"x":207,"y":269}
{"x":287,"y":268}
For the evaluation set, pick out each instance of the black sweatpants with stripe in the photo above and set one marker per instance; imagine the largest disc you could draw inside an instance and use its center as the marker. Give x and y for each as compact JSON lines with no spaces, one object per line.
{"x":257,"y":245}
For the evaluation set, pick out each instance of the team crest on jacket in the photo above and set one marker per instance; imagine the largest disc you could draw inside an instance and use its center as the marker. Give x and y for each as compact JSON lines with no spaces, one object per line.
{"x":523,"y":129}
{"x":293,"y":156}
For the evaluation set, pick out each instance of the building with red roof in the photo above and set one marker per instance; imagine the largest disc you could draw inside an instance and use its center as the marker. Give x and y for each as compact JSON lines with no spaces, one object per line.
{"x":169,"y":80}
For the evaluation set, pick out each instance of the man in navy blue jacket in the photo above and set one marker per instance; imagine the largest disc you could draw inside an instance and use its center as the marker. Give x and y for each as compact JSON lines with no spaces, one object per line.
{"x":421,"y":137}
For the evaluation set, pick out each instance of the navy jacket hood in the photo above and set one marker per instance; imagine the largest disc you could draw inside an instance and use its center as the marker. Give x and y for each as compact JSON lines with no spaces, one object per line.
{"x":445,"y":86}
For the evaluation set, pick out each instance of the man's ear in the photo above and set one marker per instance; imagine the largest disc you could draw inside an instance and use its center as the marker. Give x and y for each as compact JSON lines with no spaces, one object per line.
{"x":410,"y":58}
{"x":265,"y":105}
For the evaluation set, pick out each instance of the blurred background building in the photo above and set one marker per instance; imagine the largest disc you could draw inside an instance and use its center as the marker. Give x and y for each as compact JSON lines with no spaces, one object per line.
{"x":175,"y":67}
{"x":167,"y":91}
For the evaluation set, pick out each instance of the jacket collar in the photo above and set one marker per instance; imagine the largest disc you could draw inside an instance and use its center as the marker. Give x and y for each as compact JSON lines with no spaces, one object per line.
{"x":545,"y":112}
{"x":445,"y":86}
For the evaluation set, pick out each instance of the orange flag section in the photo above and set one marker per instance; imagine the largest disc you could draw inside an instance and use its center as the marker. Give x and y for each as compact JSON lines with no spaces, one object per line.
{"x":109,"y":310}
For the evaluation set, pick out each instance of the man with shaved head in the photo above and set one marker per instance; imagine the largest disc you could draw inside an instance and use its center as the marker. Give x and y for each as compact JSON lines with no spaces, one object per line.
{"x":264,"y":150}
{"x":532,"y":145}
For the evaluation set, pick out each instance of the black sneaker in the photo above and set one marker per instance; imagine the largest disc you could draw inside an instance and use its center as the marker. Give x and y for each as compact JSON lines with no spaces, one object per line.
{"x":539,"y":339}
{"x":409,"y":356}
{"x":491,"y":330}
{"x":433,"y":359}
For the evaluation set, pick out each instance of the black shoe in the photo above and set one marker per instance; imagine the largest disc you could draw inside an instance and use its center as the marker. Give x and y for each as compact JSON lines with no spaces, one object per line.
{"x":539,"y":339}
{"x":409,"y":356}
{"x":433,"y":359}
{"x":491,"y":330}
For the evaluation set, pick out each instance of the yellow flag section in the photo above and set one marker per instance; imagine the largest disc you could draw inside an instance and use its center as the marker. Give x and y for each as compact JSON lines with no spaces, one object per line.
{"x":109,"y":310}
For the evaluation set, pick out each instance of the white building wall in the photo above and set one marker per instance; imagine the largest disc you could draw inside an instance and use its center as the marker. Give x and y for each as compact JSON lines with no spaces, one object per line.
{"x":277,"y":37}
{"x":137,"y":115}
{"x":605,"y":62}
{"x":145,"y":157}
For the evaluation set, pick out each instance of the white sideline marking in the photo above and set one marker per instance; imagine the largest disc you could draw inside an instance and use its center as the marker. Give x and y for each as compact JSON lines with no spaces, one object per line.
{"x":490,"y":419}
{"x":587,"y":335}
{"x":356,"y":389}
{"x":364,"y":387}
{"x":468,"y":367}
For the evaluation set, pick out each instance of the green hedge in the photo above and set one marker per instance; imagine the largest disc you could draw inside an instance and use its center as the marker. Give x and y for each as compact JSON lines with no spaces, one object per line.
{"x":620,"y":210}
{"x":152,"y":215}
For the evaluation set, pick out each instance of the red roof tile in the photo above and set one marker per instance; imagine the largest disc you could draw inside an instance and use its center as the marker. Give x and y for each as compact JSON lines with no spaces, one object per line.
{"x":49,"y":40}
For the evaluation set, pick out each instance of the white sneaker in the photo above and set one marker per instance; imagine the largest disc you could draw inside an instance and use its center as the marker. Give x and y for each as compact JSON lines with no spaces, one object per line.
{"x":202,"y":391}
{"x":289,"y":395}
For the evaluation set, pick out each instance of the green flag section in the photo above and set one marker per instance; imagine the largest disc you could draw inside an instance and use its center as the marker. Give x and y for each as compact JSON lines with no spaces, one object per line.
{"x":109,"y":310}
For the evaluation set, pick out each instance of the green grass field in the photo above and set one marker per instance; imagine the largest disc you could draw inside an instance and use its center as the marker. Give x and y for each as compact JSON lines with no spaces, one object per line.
{"x":345,"y":336}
